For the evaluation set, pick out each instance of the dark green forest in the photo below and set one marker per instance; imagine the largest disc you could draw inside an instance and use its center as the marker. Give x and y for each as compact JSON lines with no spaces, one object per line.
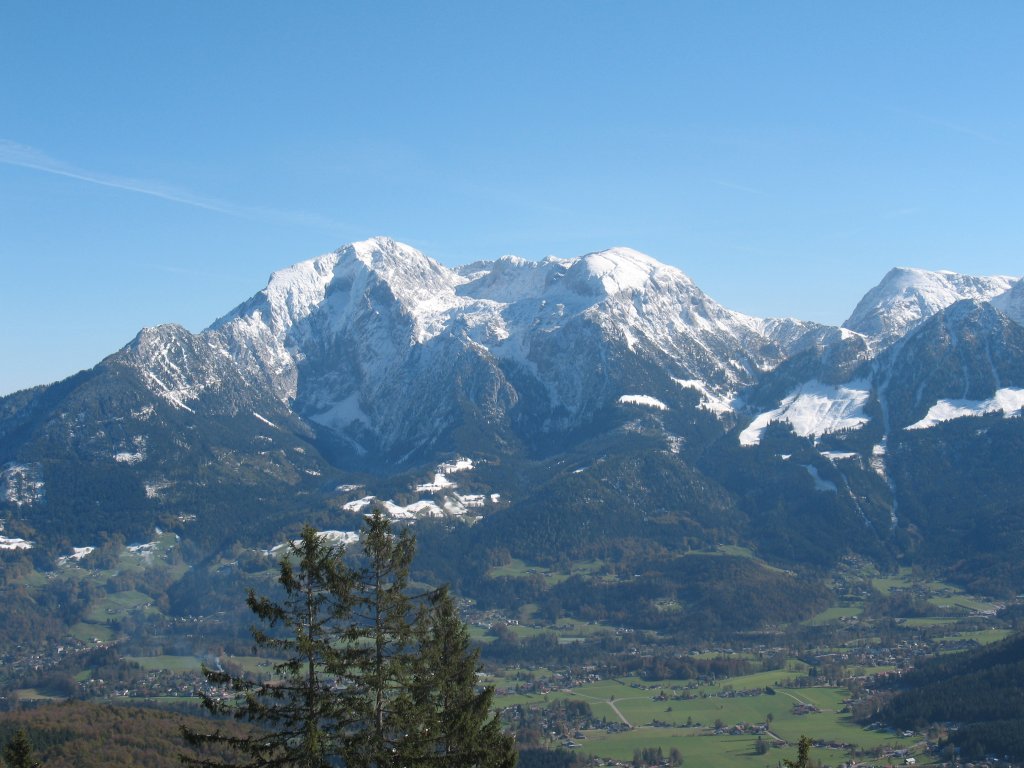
{"x":981,"y":692}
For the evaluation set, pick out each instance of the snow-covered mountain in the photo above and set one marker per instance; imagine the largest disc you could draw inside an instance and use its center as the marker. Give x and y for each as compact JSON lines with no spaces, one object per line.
{"x":385,"y":350}
{"x":907,"y":297}
{"x":387,"y":355}
{"x":917,"y":339}
{"x":608,"y":381}
{"x":1011,"y":303}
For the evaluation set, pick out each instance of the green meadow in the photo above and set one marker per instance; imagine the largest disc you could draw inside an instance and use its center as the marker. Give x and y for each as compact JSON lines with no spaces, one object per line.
{"x":702,"y":707}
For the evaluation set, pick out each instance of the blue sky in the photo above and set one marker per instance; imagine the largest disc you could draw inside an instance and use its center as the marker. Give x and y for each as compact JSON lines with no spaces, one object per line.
{"x":158,"y":160}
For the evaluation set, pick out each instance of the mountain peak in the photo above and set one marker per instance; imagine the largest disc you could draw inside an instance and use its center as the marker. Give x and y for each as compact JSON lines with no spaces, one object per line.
{"x":414,"y":279}
{"x":622,"y":269}
{"x":381,"y":251}
{"x":907,"y":296}
{"x":1011,"y":303}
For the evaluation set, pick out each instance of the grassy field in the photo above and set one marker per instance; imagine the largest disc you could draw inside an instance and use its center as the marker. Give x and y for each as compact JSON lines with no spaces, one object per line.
{"x":835,"y":613}
{"x":638,"y":704}
{"x":88,"y":632}
{"x":930,"y":621}
{"x":965,"y":602}
{"x":32,"y":694}
{"x":516,"y":568}
{"x":116,"y":606}
{"x":171,"y":663}
{"x":698,"y":749}
{"x":903,"y":579}
{"x":700,"y":746}
{"x":982,"y":636}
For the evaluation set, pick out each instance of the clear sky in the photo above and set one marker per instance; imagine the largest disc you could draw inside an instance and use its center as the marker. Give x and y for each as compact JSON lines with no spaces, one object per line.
{"x":159,"y":159}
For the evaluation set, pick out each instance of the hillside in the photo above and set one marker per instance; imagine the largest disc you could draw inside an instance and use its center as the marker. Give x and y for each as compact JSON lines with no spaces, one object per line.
{"x":79,"y":734}
{"x":980,"y":693}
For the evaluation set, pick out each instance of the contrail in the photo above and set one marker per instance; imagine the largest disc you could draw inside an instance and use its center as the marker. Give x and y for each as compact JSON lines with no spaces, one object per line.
{"x":13,"y":153}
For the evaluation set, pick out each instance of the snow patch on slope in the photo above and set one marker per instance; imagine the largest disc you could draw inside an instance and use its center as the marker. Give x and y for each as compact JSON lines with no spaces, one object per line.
{"x":331,"y":538}
{"x":421,"y":508}
{"x":647,"y":400}
{"x":450,"y":503}
{"x":153,"y":488}
{"x":11,"y":544}
{"x":265,"y":420}
{"x":460,"y":464}
{"x":147,"y":550}
{"x":439,"y":483}
{"x":709,"y":400}
{"x":1009,"y":400}
{"x":22,"y":484}
{"x":820,"y":483}
{"x":814,"y":409}
{"x":835,"y":456}
{"x":77,"y":553}
{"x":342,"y":413}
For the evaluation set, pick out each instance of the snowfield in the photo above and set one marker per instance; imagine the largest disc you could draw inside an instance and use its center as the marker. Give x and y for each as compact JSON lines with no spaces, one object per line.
{"x":6,"y":543}
{"x":906,"y":297}
{"x":650,"y":402}
{"x":814,"y":409}
{"x":1009,"y":400}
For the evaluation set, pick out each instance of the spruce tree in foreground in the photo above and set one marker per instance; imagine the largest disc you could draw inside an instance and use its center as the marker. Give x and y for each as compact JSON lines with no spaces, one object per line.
{"x":380,"y":651}
{"x":460,"y":726}
{"x":18,"y":751}
{"x":373,"y":676}
{"x":295,"y":713}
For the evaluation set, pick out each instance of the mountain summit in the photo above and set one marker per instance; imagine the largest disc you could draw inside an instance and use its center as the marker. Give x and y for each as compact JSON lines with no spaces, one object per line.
{"x":907,"y":297}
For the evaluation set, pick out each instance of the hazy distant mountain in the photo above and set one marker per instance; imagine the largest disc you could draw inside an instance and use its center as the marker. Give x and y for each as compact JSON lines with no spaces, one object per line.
{"x":907,"y":297}
{"x":1011,"y":303}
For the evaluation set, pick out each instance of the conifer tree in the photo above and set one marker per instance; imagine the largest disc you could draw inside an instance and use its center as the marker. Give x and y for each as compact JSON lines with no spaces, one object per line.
{"x":18,"y":751}
{"x":380,"y":652}
{"x":803,"y":754}
{"x":295,"y":713}
{"x":373,"y":677}
{"x":459,"y":728}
